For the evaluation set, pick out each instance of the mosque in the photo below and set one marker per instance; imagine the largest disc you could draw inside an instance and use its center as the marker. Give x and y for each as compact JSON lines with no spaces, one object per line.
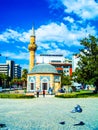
{"x":41,"y":76}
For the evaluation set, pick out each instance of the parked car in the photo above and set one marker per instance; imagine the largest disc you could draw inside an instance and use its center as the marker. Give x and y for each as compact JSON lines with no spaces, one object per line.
{"x":62,"y":90}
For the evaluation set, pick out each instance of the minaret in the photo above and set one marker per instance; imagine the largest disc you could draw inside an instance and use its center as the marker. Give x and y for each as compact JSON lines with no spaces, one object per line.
{"x":32,"y":48}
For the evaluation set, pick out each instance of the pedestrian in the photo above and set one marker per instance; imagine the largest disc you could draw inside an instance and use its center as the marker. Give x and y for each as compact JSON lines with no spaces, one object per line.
{"x":43,"y":92}
{"x":50,"y":90}
{"x":37,"y":92}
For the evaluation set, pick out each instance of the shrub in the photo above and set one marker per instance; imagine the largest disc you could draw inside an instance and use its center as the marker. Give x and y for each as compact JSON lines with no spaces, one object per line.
{"x":66,"y":95}
{"x":15,"y":96}
{"x":81,"y":94}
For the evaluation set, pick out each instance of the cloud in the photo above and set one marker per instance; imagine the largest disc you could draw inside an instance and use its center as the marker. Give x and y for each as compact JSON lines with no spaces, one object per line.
{"x":71,"y":20}
{"x":20,"y":55}
{"x":82,"y":8}
{"x":3,"y":38}
{"x":54,"y":45}
{"x":22,"y":47}
{"x":44,"y":45}
{"x":50,"y":33}
{"x":12,"y":35}
{"x":21,"y":58}
{"x":52,"y":37}
{"x":55,"y":4}
{"x":25,"y":66}
{"x":53,"y":33}
{"x":64,"y":52}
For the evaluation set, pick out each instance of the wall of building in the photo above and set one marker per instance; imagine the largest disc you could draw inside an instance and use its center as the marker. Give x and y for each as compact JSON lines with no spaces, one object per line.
{"x":4,"y":68}
{"x":11,"y":69}
{"x":75,"y":60}
{"x":39,"y":79}
{"x":48,"y":58}
{"x":61,"y":64}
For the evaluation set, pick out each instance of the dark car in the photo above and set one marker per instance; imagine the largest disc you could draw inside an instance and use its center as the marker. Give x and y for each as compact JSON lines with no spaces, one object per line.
{"x":62,"y":90}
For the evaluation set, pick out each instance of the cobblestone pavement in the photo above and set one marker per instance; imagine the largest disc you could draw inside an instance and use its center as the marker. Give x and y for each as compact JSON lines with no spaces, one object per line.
{"x":47,"y":113}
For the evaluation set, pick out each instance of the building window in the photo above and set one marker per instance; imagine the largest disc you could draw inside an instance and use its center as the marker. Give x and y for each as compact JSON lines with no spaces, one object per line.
{"x":44,"y":86}
{"x":32,"y":86}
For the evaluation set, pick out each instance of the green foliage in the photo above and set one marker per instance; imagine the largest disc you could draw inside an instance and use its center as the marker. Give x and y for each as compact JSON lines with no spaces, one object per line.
{"x":24,"y":74}
{"x":24,"y":77}
{"x":15,"y":96}
{"x":68,"y":95}
{"x":4,"y":78}
{"x":65,"y":80}
{"x":16,"y":81}
{"x":87,"y":72}
{"x":22,"y":80}
{"x":81,"y":94}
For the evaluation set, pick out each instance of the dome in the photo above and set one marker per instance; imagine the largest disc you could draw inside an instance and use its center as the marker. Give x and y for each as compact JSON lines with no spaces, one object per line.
{"x":44,"y":68}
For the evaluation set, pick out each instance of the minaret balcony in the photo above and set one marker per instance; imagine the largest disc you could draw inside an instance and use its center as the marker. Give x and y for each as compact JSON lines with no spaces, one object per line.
{"x":32,"y":47}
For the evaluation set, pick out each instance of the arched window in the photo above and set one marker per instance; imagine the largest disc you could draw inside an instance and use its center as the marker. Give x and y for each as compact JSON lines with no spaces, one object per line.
{"x":32,"y":83}
{"x":44,"y":84}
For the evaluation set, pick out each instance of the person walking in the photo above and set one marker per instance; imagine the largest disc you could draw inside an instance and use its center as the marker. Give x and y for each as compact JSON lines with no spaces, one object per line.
{"x":37,"y":93}
{"x":43,"y":92}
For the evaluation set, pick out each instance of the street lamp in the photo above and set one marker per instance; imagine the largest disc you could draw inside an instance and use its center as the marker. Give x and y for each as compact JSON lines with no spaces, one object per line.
{"x":5,"y":83}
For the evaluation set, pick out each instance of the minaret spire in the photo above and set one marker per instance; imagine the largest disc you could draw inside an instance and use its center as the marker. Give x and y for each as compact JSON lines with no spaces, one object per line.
{"x":33,"y":31}
{"x":32,"y":48}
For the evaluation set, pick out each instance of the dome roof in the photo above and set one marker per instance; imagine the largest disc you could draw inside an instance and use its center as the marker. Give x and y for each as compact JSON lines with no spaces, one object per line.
{"x":44,"y":68}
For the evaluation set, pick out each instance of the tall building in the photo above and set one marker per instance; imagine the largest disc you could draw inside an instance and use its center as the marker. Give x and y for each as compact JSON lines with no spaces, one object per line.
{"x":11,"y":69}
{"x":11,"y":65}
{"x":17,"y":71}
{"x":4,"y":68}
{"x":32,"y":48}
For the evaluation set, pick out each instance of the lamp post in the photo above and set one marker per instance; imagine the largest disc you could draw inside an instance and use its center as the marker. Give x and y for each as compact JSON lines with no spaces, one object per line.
{"x":5,"y":83}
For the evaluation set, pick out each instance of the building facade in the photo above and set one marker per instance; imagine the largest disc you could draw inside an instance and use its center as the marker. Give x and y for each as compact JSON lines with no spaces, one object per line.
{"x":17,"y":71}
{"x":61,"y":63}
{"x":4,"y":68}
{"x":43,"y":77}
{"x":48,"y":58}
{"x":11,"y":69}
{"x":75,"y":60}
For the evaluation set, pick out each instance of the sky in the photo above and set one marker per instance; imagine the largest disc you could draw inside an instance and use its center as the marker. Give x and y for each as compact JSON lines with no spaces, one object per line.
{"x":59,"y":26}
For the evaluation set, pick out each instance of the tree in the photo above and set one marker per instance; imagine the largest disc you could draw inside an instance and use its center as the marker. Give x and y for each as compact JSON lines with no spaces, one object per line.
{"x":16,"y":81}
{"x":4,"y":80}
{"x":87,"y":72}
{"x":24,"y":77}
{"x":65,"y":80}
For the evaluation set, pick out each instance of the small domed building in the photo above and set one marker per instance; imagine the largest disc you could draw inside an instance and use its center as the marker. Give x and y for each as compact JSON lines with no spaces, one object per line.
{"x":41,"y":76}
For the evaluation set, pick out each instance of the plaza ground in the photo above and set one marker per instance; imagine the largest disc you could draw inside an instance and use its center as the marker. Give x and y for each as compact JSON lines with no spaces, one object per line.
{"x":47,"y":113}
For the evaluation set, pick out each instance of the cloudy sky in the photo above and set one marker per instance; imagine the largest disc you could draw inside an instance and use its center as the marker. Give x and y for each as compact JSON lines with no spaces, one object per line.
{"x":59,"y":27}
